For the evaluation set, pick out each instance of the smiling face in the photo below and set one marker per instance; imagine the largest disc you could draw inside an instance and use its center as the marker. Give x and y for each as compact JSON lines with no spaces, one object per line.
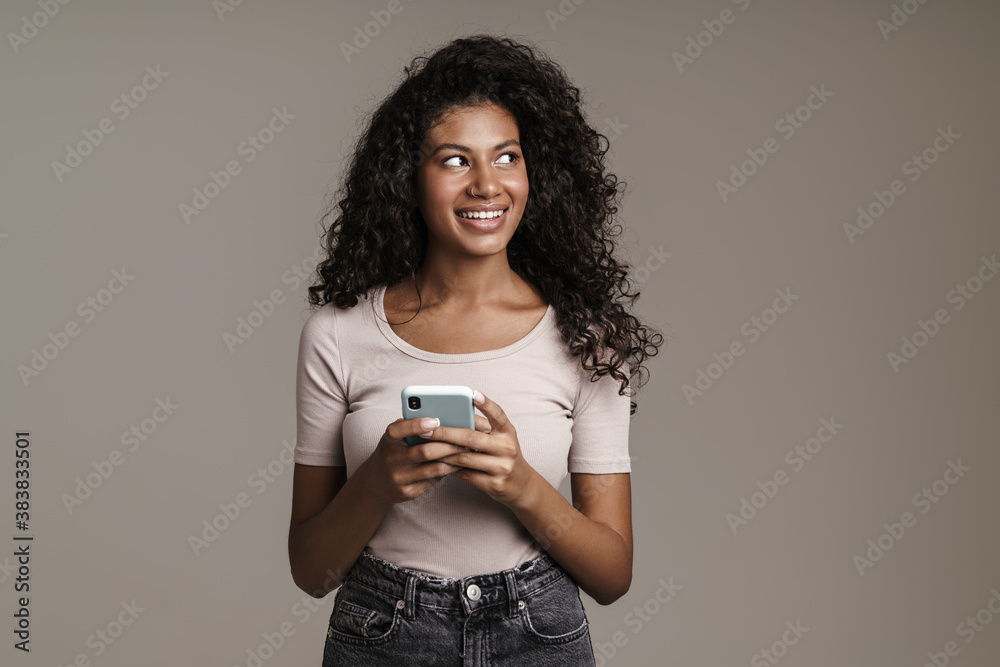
{"x":472,"y":149}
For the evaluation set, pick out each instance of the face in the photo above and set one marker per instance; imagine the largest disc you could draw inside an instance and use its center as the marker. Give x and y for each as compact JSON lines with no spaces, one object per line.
{"x":473,"y":149}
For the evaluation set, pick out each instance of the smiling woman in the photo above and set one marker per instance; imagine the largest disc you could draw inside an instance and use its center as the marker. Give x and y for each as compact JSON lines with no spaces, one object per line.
{"x":471,"y":245}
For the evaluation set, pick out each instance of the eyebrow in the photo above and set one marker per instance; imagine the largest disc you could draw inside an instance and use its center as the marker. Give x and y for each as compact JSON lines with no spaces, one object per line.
{"x":466,"y":149}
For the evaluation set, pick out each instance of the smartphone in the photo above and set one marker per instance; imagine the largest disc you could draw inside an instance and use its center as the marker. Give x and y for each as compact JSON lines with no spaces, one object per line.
{"x":452,"y":404}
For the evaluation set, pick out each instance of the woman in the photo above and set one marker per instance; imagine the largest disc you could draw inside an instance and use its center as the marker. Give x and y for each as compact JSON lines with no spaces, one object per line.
{"x":462,"y":550}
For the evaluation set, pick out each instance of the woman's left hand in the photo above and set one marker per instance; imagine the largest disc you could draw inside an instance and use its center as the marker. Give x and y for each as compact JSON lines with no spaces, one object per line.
{"x":495,"y":465}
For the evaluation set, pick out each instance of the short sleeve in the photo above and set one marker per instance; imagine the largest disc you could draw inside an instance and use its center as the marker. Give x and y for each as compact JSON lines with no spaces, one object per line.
{"x":320,"y":402}
{"x":600,"y":427}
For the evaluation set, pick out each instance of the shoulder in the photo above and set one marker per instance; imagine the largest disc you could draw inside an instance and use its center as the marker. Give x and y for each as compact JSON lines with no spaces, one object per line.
{"x":320,"y":322}
{"x":329,"y":318}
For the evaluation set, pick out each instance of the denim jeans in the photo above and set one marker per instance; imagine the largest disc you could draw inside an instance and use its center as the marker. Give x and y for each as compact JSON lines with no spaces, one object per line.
{"x":387,"y":615}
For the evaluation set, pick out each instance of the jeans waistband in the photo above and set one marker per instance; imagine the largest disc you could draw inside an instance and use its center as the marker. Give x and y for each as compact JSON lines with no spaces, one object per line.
{"x":506,"y":587}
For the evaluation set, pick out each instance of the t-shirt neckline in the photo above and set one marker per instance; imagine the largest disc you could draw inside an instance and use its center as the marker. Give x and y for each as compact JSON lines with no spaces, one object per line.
{"x":444,"y":358}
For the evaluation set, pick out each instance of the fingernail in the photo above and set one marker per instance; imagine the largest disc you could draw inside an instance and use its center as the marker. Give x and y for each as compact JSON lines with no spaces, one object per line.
{"x":477,"y":397}
{"x":427,"y":434}
{"x":430,"y":422}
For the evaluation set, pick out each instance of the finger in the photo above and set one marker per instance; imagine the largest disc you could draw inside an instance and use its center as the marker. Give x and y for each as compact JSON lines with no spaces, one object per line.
{"x":434,"y":450}
{"x":472,"y":461}
{"x":395,"y":429}
{"x":482,"y":424}
{"x":473,"y":439}
{"x":493,"y":412}
{"x":437,"y":469}
{"x":401,"y":428}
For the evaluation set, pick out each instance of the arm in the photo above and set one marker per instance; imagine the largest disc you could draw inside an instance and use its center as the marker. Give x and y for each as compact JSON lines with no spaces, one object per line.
{"x":592,"y":538}
{"x":332,"y":518}
{"x":332,"y":521}
{"x":593,"y":544}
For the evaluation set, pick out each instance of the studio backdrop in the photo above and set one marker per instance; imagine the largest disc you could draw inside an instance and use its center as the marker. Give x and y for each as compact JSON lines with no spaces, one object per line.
{"x":810,"y":216}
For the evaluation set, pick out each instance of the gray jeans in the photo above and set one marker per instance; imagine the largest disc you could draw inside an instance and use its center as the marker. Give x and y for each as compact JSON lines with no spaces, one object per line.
{"x":388,"y":615}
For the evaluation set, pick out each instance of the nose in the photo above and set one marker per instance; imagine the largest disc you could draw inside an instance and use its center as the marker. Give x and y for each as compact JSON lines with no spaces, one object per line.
{"x":486,"y":183}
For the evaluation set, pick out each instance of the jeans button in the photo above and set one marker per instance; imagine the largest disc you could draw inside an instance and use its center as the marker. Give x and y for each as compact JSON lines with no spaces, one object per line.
{"x":473,"y":592}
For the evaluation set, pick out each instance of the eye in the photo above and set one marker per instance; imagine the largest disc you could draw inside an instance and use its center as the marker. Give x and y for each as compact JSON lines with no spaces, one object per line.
{"x":514,"y":157}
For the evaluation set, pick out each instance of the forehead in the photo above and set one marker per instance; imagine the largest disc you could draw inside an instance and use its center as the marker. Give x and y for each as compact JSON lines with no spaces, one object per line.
{"x":485,"y":123}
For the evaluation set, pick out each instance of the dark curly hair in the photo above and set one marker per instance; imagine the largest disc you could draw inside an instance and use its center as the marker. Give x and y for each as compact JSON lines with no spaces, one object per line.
{"x":563,"y":243}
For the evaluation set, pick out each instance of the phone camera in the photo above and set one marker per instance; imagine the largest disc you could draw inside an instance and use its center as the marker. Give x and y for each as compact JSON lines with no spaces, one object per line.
{"x":414,"y":402}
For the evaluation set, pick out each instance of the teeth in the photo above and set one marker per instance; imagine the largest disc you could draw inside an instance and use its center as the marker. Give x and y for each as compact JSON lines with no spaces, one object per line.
{"x":487,"y":215}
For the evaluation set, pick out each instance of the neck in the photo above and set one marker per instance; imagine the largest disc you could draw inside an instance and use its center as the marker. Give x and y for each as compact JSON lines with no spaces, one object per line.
{"x":468,"y":283}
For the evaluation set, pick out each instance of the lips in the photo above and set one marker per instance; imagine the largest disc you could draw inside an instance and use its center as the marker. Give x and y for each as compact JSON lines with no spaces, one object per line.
{"x":484,"y":225}
{"x":492,"y":208}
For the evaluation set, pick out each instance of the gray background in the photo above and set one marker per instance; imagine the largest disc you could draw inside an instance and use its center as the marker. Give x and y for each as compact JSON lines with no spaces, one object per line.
{"x":676,"y":133}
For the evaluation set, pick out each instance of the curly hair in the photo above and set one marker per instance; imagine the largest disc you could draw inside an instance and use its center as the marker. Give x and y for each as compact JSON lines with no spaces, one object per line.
{"x":563,"y":243}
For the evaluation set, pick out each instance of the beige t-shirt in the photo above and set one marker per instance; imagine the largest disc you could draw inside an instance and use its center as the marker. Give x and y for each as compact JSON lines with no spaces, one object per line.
{"x":351,"y":370}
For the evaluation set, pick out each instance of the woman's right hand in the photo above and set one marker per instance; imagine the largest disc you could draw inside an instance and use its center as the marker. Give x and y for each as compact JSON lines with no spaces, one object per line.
{"x":399,"y":471}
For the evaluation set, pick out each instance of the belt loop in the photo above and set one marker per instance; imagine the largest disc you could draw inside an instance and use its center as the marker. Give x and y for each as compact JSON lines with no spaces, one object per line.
{"x":512,"y":598}
{"x":410,"y":597}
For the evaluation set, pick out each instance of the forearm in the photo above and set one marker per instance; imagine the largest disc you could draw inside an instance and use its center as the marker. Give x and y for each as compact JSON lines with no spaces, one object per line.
{"x":323,"y":549}
{"x":596,"y":556}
